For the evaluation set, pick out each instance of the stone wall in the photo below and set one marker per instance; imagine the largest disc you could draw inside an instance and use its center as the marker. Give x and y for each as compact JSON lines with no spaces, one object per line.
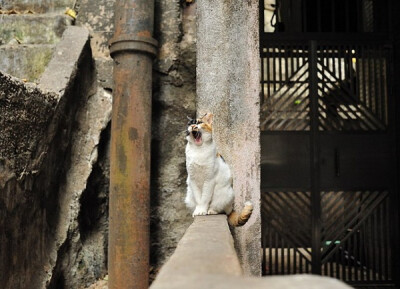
{"x":38,"y":129}
{"x":228,"y":86}
{"x":174,"y":95}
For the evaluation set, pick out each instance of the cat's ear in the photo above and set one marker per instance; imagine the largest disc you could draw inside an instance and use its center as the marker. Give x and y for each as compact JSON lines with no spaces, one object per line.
{"x":208,"y":118}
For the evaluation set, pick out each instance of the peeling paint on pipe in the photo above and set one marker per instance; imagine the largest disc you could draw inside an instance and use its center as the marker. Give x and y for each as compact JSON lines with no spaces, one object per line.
{"x":132,"y":49}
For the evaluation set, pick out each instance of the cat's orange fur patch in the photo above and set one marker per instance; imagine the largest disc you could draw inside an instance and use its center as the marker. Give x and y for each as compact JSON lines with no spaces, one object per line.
{"x":207,"y":127}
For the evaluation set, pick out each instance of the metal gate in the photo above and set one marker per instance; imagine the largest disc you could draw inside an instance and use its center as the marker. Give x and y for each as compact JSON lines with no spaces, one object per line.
{"x":328,"y":159}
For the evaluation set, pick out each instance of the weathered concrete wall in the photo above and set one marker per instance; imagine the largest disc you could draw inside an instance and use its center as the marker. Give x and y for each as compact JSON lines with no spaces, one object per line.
{"x":228,"y":86}
{"x":25,"y":62}
{"x":27,"y":41}
{"x":38,"y":6}
{"x":47,"y":150}
{"x":173,"y":99}
{"x":33,"y":28}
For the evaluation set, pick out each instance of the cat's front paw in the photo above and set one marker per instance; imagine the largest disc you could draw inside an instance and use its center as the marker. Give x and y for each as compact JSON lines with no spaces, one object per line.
{"x":212,"y":212}
{"x":199,"y":211}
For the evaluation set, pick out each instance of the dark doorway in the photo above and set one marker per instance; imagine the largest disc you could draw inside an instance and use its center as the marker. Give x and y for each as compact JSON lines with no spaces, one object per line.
{"x":329,"y":198}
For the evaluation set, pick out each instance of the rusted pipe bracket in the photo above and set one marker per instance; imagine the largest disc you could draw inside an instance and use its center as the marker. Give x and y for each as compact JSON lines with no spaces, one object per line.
{"x":141,"y":44}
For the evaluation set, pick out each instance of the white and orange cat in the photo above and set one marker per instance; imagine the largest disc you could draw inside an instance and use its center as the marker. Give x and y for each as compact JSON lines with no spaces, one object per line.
{"x":209,"y":182}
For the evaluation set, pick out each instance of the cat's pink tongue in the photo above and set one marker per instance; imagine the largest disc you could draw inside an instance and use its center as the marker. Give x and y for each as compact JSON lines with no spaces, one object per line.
{"x":197,"y":140}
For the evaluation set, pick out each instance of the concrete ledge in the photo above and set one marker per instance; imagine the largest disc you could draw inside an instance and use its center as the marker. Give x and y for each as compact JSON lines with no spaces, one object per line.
{"x":63,"y":67}
{"x":206,"y":248}
{"x":206,"y":258}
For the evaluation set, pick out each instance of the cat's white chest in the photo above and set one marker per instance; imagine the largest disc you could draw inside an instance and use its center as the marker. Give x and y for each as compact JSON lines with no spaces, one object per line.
{"x":200,"y":163}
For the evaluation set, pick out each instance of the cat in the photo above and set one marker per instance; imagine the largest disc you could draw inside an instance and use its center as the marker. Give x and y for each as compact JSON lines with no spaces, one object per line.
{"x":209,"y":181}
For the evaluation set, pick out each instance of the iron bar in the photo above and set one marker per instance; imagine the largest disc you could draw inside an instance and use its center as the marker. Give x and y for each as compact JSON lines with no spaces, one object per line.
{"x":314,"y":161}
{"x":132,"y":49}
{"x":270,"y":251}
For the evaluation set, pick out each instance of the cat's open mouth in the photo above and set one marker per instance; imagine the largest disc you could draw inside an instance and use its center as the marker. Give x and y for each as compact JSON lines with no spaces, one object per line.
{"x":196,"y":136}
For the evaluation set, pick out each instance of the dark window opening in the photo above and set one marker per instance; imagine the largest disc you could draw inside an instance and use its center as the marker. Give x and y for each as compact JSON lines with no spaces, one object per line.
{"x":328,"y":16}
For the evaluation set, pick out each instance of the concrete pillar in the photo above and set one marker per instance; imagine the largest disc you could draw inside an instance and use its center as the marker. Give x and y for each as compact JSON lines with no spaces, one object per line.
{"x":228,"y":85}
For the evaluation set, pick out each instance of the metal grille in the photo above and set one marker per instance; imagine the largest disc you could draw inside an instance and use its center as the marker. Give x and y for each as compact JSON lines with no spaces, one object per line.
{"x":287,"y":232}
{"x":352,"y":87}
{"x":355,"y":236}
{"x":285,"y":87}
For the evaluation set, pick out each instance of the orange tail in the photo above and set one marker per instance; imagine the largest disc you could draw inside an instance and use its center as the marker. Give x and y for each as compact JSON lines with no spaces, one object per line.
{"x":236,"y":220}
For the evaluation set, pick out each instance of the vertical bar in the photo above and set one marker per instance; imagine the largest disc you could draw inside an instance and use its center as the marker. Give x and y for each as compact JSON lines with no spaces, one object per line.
{"x":276,"y":254}
{"x":387,"y":243}
{"x":380,"y":242}
{"x":374,"y":244}
{"x":274,"y":68}
{"x":295,"y":261}
{"x":374,"y":82}
{"x":314,"y":173}
{"x":270,"y":251}
{"x":132,"y":48}
{"x":289,"y":256}
{"x":291,"y":58}
{"x":301,"y":264}
{"x":361,"y":250}
{"x":282,"y":256}
{"x":338,"y":251}
{"x":262,"y":80}
{"x":268,"y":59}
{"x":368,"y":249}
{"x":347,"y":267}
{"x":358,"y":74}
{"x":264,"y":257}
{"x":357,"y":260}
{"x":324,"y":59}
{"x":340,"y":52}
{"x":370,"y":92}
{"x":280,"y":67}
{"x":286,"y":49}
{"x":351,"y":71}
{"x":345,"y":248}
{"x":364,"y":77}
{"x":381,"y":83}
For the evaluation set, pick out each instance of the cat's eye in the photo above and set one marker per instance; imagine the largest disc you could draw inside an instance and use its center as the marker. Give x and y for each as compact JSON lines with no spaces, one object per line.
{"x":192,"y":121}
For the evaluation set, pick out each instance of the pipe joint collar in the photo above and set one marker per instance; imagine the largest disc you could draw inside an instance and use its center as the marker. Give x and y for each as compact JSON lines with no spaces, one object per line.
{"x":147,"y":45}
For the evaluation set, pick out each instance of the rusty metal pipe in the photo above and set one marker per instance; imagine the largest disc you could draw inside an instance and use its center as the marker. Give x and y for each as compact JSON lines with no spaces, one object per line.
{"x":132,"y":49}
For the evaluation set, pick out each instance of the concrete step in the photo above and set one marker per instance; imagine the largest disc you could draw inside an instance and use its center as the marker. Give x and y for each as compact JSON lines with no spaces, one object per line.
{"x":33,"y":28}
{"x":38,"y":6}
{"x":25,"y":61}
